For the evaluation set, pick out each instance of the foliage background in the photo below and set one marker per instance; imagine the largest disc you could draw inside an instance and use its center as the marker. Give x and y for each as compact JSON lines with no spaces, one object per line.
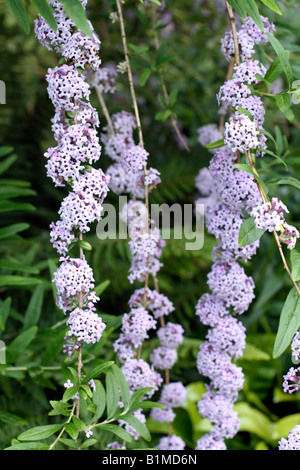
{"x":30,"y":324}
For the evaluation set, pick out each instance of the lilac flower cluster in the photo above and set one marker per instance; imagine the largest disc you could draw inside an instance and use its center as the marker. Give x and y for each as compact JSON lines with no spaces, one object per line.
{"x":227,"y":194}
{"x":74,"y":127}
{"x":293,"y":440}
{"x":129,"y":174}
{"x":270,"y":216}
{"x":248,"y":35}
{"x":291,"y":384}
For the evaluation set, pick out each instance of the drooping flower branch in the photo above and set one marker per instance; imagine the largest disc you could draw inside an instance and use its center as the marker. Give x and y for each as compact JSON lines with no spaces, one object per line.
{"x":227,"y":193}
{"x":129,"y":174}
{"x":69,"y":164}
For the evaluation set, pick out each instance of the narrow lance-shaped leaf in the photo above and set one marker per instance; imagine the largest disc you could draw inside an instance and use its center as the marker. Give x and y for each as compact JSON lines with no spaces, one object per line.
{"x":46,"y":12}
{"x":237,"y":6}
{"x":272,"y":5}
{"x":76,"y":12}
{"x":283,"y":57}
{"x":295,"y":263}
{"x":289,"y":323}
{"x":20,"y":343}
{"x":138,"y":426}
{"x":18,"y":9}
{"x":252,"y":10}
{"x":39,"y":432}
{"x":249,"y":233}
{"x":112,"y":394}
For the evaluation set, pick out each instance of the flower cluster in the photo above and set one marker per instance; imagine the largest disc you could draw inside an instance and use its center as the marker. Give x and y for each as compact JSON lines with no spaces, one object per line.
{"x":74,"y":127}
{"x":227,"y":194}
{"x":248,"y":35}
{"x":173,"y":395}
{"x":270,"y":216}
{"x":293,"y":440}
{"x":291,"y":384}
{"x":130,"y":175}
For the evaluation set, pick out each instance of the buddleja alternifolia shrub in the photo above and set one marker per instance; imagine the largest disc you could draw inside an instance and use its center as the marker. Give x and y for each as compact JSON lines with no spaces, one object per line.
{"x":232,"y":191}
{"x":238,"y":211}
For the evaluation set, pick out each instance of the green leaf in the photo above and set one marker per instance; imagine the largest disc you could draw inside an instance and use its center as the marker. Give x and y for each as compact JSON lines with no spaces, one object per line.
{"x":269,"y":136}
{"x":9,"y":192}
{"x":97,"y":371}
{"x":7,"y":163}
{"x":6,"y":232}
{"x":54,"y":348}
{"x":99,"y":399}
{"x":289,"y":180}
{"x":69,"y":393}
{"x":268,"y":152}
{"x":253,"y":353}
{"x":274,"y":71}
{"x":16,"y":266}
{"x":123,"y":385}
{"x":283,"y":57}
{"x":101,"y":287}
{"x":52,"y":269}
{"x":117,"y":430}
{"x":156,"y":2}
{"x":46,"y":12}
{"x":138,"y":395}
{"x":11,"y":419}
{"x":138,"y":426}
{"x":76,"y":12}
{"x":145,"y":75}
{"x":215,"y":145}
{"x":112,"y":394}
{"x":79,"y":423}
{"x":295,"y":263}
{"x":4,"y":312}
{"x":69,"y":443}
{"x":283,"y":102}
{"x":34,"y":308}
{"x":252,"y":10}
{"x":59,"y":408}
{"x":40,"y":432}
{"x":18,"y":9}
{"x":18,"y":281}
{"x":236,"y":5}
{"x":289,"y":323}
{"x":272,"y":5}
{"x":246,"y":112}
{"x":72,"y":430}
{"x":254,"y":421}
{"x":28,"y":446}
{"x":146,"y":404}
{"x":6,"y":206}
{"x":88,"y":443}
{"x":248,"y":169}
{"x":84,"y":245}
{"x":20,"y":344}
{"x":173,"y":97}
{"x":249,"y":233}
{"x":163,"y":115}
{"x":5,"y":150}
{"x":283,"y":426}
